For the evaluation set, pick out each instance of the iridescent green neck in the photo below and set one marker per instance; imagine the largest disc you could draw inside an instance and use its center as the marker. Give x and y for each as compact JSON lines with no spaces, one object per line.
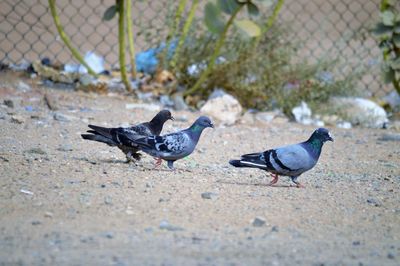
{"x":316,"y":144}
{"x":196,"y":128}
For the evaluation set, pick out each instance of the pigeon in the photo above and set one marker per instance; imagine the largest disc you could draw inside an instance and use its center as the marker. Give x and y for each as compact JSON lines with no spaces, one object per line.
{"x":121,"y":136}
{"x":174,"y":146}
{"x":291,"y":160}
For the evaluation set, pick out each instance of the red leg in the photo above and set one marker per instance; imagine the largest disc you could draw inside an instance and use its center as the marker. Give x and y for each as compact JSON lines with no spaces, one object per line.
{"x":158,"y":162}
{"x":273,"y":181}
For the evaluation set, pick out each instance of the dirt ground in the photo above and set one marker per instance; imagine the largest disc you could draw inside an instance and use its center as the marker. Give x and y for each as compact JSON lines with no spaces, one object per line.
{"x":67,"y":201}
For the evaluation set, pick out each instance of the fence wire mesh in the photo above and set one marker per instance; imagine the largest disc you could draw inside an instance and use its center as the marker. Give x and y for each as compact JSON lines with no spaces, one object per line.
{"x":335,"y":29}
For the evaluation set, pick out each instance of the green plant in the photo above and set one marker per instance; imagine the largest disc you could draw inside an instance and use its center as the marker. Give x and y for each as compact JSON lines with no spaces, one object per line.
{"x":214,"y":22}
{"x":264,"y":76}
{"x":388,"y":31}
{"x":66,"y":40}
{"x":119,"y":7}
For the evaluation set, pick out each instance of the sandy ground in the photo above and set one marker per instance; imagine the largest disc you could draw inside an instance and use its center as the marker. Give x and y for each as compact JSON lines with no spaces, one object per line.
{"x":66,"y":201}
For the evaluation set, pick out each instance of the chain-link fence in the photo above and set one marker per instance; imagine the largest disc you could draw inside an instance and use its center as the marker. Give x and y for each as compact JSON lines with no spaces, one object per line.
{"x":335,"y":29}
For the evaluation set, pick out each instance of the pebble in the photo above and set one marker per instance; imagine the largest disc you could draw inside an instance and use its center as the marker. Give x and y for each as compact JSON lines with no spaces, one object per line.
{"x":62,"y":118}
{"x":36,"y":151}
{"x":209,"y":195}
{"x":390,"y":256}
{"x":108,"y":200}
{"x":373,"y":202}
{"x":258,"y":222}
{"x":36,"y":222}
{"x":165,"y":225}
{"x":65,"y":147}
{"x":22,"y":86}
{"x":179,"y":102}
{"x":275,"y":228}
{"x":51,"y":102}
{"x":389,"y":137}
{"x":17,"y":119}
{"x":9,"y":103}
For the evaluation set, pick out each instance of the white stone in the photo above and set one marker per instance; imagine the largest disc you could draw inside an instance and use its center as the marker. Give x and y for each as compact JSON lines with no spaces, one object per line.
{"x":359,"y":111}
{"x":225,"y":108}
{"x":302,"y":114}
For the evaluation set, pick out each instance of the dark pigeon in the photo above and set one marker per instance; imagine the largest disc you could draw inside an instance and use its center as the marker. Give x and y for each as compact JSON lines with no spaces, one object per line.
{"x":174,"y":146}
{"x":122,"y":137}
{"x":291,"y":160}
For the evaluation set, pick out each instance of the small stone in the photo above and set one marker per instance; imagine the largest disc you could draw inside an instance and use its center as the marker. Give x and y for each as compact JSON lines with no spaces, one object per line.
{"x":108,"y":235}
{"x":9,"y":103}
{"x":248,"y":118}
{"x":389,"y":137}
{"x":165,"y":225}
{"x":51,"y":102}
{"x":209,"y":195}
{"x":17,"y":119}
{"x":179,"y":102}
{"x":48,"y":214}
{"x":65,"y":147}
{"x":344,"y":125}
{"x":63,"y":118}
{"x":36,"y":222}
{"x":23,"y":87}
{"x":166,"y":101}
{"x":108,"y":200}
{"x":266,"y":117}
{"x":275,"y":228}
{"x":356,"y":243}
{"x":36,"y":151}
{"x":390,"y":256}
{"x":258,"y":222}
{"x":373,"y":202}
{"x":225,"y":108}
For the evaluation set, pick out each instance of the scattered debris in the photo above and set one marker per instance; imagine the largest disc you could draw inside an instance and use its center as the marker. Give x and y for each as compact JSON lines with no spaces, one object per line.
{"x":95,"y":62}
{"x":302,"y":115}
{"x":65,"y":147}
{"x":26,"y":192}
{"x":9,"y":103}
{"x":148,"y":107}
{"x":165,"y":225}
{"x":23,"y":87}
{"x":17,"y":119}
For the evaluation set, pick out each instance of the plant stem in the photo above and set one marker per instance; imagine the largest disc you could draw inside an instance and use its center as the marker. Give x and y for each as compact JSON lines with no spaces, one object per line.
{"x":66,"y":40}
{"x":270,"y":22}
{"x":185,"y":31}
{"x":214,"y":56}
{"x":130,"y":37}
{"x":174,"y":27}
{"x":121,"y":39}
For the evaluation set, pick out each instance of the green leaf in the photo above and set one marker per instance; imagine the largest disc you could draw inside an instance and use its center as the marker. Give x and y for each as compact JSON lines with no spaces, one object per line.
{"x":212,"y":18}
{"x":388,"y":74}
{"x":110,"y":13}
{"x":267,"y":2}
{"x":396,"y":40}
{"x":249,"y":27}
{"x":253,"y":9}
{"x":228,"y":6}
{"x":397,"y":27}
{"x":382,"y":30}
{"x":388,"y":17}
{"x":395,"y":64}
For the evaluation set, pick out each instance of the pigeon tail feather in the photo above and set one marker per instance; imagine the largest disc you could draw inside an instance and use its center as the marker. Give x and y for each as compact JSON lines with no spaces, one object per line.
{"x":99,"y":138}
{"x":106,"y":132}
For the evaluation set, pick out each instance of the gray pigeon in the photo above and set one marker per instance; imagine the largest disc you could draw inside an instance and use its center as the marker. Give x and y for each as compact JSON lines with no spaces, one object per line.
{"x":291,"y":160}
{"x":121,"y":137}
{"x":174,"y":146}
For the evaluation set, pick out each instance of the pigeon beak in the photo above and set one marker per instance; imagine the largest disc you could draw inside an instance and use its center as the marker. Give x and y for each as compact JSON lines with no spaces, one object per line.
{"x":172,"y":118}
{"x":330,"y":137}
{"x":211,"y":125}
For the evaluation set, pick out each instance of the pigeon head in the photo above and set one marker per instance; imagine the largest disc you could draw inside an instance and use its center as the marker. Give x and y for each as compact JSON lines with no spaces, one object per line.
{"x":163,"y":116}
{"x":201,"y":123}
{"x":204,"y":121}
{"x":322,"y":134}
